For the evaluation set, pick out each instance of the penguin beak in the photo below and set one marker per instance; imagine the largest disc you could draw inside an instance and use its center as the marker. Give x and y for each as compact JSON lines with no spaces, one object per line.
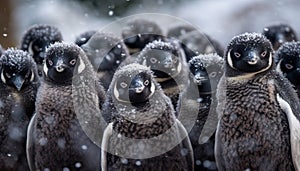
{"x":168,"y":63}
{"x":252,"y":58}
{"x":60,"y":66}
{"x":18,"y":82}
{"x":198,"y":79}
{"x":137,"y":86}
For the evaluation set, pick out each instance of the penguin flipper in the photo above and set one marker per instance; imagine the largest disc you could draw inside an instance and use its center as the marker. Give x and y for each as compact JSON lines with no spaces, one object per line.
{"x":104,"y":146}
{"x":294,"y":125}
{"x":30,"y":152}
{"x":186,"y":144}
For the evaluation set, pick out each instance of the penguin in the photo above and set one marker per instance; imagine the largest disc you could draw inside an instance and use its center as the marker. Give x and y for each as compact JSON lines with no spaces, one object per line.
{"x":279,"y":33}
{"x":37,"y":38}
{"x":258,"y":110}
{"x":18,"y":88}
{"x":195,"y":43}
{"x":167,"y":61}
{"x":106,"y":52}
{"x":288,"y":56}
{"x":82,"y":38}
{"x":144,"y":133}
{"x":138,"y":33}
{"x":68,"y":106}
{"x":197,"y":107}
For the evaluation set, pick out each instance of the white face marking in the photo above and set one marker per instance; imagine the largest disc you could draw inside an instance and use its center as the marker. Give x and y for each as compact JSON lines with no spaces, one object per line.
{"x":117,"y":95}
{"x":81,"y":66}
{"x":229,"y":60}
{"x":152,"y":89}
{"x":30,"y":48}
{"x":2,"y":77}
{"x":32,"y":76}
{"x":45,"y":68}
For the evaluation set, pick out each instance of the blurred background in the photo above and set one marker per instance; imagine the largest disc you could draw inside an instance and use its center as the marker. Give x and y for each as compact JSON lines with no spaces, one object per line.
{"x":221,"y":19}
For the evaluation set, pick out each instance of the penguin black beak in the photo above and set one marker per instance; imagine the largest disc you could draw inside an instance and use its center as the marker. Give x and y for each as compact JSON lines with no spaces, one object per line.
{"x":168,"y":63}
{"x":252,"y":58}
{"x":60,"y":66}
{"x":137,"y":86}
{"x":198,"y":79}
{"x":18,"y":82}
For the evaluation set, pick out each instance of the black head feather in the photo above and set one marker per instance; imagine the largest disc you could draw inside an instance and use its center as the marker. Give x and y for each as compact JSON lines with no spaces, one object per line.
{"x":105,"y":51}
{"x":288,"y":56}
{"x":18,"y":69}
{"x":248,"y":53}
{"x":137,"y":33}
{"x":279,"y":34}
{"x":84,"y":37}
{"x":62,"y":62}
{"x":37,"y":38}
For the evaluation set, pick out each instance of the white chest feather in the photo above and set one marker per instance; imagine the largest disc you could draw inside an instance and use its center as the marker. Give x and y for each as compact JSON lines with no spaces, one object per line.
{"x":294,"y":126}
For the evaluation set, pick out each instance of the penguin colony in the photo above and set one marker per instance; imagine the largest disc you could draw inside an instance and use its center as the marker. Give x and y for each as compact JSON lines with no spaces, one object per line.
{"x":150,"y":99}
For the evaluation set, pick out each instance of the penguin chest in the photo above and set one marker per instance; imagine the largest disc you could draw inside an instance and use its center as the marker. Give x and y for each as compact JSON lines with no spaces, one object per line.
{"x":254,"y":130}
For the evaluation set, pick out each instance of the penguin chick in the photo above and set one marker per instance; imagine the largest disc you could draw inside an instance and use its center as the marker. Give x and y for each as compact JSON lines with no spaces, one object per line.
{"x":279,"y":33}
{"x":179,"y":30}
{"x":258,"y":126}
{"x":197,"y":107}
{"x":84,"y":37}
{"x":288,"y":56}
{"x":139,"y":32}
{"x":18,"y":87}
{"x":196,"y":43}
{"x":37,"y":38}
{"x":58,"y":135}
{"x":167,"y":61}
{"x":144,"y":133}
{"x":106,"y":52}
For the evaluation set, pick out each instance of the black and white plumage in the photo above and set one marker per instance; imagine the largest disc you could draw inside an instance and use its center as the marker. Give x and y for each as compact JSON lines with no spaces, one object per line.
{"x":106,"y":52}
{"x":258,"y":125}
{"x":144,"y":133}
{"x":279,"y":34}
{"x":37,"y":38}
{"x":197,"y":107}
{"x":288,"y":56}
{"x":84,"y":37}
{"x":139,"y":32}
{"x":196,"y":43}
{"x":1,"y":50}
{"x":167,"y":61}
{"x":18,"y":87}
{"x":62,"y":134}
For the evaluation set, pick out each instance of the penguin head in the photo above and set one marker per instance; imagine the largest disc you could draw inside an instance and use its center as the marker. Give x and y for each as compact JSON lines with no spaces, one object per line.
{"x":62,"y":62}
{"x":165,"y":59}
{"x":18,"y":70}
{"x":133,"y":84}
{"x":105,"y":51}
{"x":206,"y":71}
{"x":279,"y":33}
{"x":138,"y":33}
{"x":37,"y":38}
{"x":84,"y":37}
{"x":289,"y":61}
{"x":249,"y":53}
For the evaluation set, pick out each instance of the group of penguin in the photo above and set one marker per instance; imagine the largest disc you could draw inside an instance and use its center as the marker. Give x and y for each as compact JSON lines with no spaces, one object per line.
{"x":148,"y":100}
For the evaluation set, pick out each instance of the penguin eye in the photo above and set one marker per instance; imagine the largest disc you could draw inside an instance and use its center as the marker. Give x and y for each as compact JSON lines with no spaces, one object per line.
{"x":50,"y":62}
{"x":123,"y":84}
{"x":237,"y":55}
{"x":289,"y":66}
{"x":264,"y":53}
{"x":153,"y":60}
{"x":175,"y":60}
{"x":73,"y":61}
{"x":213,"y":74}
{"x":146,"y":82}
